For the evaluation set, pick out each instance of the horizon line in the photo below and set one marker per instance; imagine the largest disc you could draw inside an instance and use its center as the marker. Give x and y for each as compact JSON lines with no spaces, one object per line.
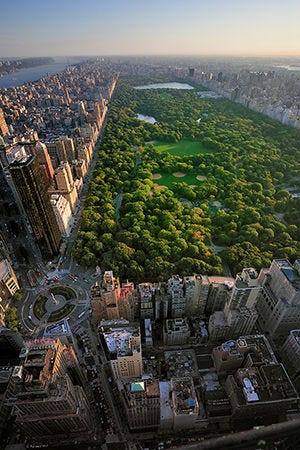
{"x":182,"y":55}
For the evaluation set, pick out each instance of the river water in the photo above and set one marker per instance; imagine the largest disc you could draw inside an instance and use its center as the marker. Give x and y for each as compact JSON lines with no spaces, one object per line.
{"x":35,"y":73}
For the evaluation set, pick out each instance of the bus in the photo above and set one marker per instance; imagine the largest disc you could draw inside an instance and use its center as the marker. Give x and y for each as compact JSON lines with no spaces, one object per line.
{"x":81,"y":314}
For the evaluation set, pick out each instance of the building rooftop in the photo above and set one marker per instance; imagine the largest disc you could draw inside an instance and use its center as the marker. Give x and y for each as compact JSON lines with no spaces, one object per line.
{"x":57,"y":329}
{"x":181,"y":363}
{"x":4,"y":269}
{"x":118,"y":340}
{"x":257,"y":345}
{"x":184,"y":396}
{"x":267,"y":383}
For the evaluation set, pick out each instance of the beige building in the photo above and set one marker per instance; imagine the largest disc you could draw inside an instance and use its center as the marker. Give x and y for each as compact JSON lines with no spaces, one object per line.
{"x":124,"y":346}
{"x":63,"y":213}
{"x":279,"y":303}
{"x":8,"y":284}
{"x":184,"y":403}
{"x":176,"y":331}
{"x":141,"y":401}
{"x":196,"y":293}
{"x":64,"y":184}
{"x":3,"y":126}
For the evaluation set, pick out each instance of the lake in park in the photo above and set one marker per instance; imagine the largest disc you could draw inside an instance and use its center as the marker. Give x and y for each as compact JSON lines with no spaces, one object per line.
{"x":149,"y":119}
{"x":171,"y":85}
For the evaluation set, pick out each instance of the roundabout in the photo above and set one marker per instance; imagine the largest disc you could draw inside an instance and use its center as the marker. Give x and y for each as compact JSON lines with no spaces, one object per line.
{"x":55,"y":303}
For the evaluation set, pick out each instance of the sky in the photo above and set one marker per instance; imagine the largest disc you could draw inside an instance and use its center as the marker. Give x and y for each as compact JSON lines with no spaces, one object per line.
{"x":149,"y":27}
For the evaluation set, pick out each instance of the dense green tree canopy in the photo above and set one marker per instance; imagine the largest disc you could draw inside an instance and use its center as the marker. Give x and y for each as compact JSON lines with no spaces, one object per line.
{"x":241,"y":205}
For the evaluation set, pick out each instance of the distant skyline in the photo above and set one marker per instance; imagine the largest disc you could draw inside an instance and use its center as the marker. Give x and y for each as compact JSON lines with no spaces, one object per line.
{"x":157,"y":27}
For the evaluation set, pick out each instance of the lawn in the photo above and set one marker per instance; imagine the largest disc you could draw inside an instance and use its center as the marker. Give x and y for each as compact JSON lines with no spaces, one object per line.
{"x":184,"y":147}
{"x":167,"y":179}
{"x":165,"y":96}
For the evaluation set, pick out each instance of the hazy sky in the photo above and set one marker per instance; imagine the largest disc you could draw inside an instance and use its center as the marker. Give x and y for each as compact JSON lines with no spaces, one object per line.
{"x":93,"y":27}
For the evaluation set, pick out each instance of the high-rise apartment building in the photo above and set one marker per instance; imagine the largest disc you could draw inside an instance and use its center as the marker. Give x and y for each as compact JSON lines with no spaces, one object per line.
{"x":8,"y":284}
{"x":259,"y":390}
{"x":64,"y":184}
{"x":3,"y":126}
{"x":49,"y":406}
{"x":141,"y":401}
{"x":11,"y":343}
{"x":239,"y":314}
{"x":290,"y":355}
{"x":125,"y":351}
{"x":63,"y":213}
{"x":30,"y":186}
{"x":279,"y":303}
{"x":41,"y":152}
{"x":178,"y":301}
{"x":176,"y":331}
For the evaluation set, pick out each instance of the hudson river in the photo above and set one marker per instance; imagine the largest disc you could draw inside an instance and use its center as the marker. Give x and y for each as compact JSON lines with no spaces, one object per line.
{"x":35,"y":73}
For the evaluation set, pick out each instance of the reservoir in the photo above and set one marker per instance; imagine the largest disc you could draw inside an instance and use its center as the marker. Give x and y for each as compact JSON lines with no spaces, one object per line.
{"x":171,"y":85}
{"x":149,"y":119}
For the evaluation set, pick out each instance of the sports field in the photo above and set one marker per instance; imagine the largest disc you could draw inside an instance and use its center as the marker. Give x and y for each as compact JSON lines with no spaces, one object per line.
{"x":166,"y":179}
{"x":181,"y":148}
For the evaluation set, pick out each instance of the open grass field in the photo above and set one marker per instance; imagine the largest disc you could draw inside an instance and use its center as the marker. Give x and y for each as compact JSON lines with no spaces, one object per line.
{"x":167,"y":179}
{"x":165,"y":96}
{"x":181,"y":148}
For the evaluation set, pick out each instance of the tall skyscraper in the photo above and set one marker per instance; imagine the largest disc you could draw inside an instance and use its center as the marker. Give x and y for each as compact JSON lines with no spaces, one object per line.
{"x":279,"y":304}
{"x":41,"y":152}
{"x":29,"y":183}
{"x":49,"y":404}
{"x":3,"y":126}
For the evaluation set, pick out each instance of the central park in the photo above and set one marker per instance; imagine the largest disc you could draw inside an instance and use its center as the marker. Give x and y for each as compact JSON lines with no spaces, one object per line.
{"x":204,"y":174}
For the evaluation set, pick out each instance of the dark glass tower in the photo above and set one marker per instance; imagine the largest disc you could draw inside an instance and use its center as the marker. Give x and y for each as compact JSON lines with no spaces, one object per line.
{"x":32,"y":190}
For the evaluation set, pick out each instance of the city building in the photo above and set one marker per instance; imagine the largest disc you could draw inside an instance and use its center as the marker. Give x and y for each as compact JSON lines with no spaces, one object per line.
{"x":176,"y":332}
{"x":41,"y":152}
{"x":290,"y":355}
{"x":50,"y":406}
{"x":11,"y":343}
{"x":30,"y":186}
{"x":246,"y":290}
{"x":3,"y":125}
{"x":178,"y":301}
{"x":260,"y":395}
{"x":8,"y":284}
{"x":196,"y":292}
{"x":141,"y":402}
{"x":63,"y":213}
{"x":279,"y":303}
{"x":184,"y":403}
{"x":239,"y":313}
{"x":219,"y":292}
{"x":124,"y":351}
{"x":105,"y":298}
{"x":146,"y":292}
{"x":245,"y":351}
{"x":64,"y":184}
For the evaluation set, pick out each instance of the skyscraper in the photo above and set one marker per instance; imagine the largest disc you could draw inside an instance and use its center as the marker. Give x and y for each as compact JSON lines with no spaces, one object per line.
{"x":279,"y":303}
{"x":3,"y":125}
{"x":49,"y":405}
{"x":29,"y":183}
